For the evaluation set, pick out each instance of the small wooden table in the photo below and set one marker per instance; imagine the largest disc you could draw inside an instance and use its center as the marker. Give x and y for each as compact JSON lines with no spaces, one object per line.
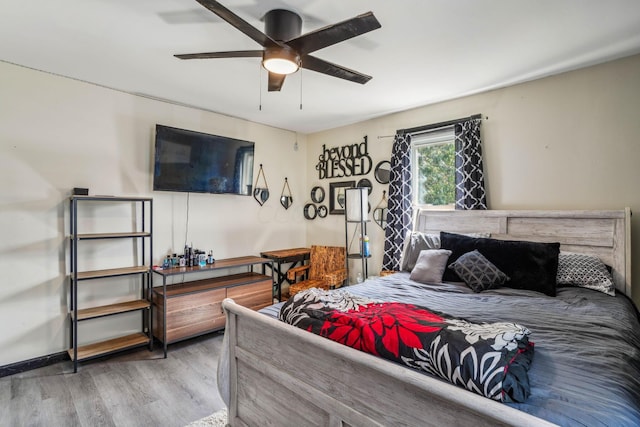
{"x":295,"y":256}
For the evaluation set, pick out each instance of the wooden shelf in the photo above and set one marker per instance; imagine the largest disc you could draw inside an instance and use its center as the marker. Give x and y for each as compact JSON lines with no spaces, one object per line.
{"x":89,"y":236}
{"x":83,"y":275}
{"x":138,"y":213}
{"x":243,"y":261}
{"x":107,"y":310}
{"x":110,"y":346}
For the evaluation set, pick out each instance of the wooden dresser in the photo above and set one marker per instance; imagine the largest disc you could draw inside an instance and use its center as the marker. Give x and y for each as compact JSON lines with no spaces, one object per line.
{"x":194,"y":306}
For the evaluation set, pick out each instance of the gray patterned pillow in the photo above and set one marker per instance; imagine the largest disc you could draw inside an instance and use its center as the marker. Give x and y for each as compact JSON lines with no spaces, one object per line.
{"x":478,"y":272}
{"x":585,"y":271}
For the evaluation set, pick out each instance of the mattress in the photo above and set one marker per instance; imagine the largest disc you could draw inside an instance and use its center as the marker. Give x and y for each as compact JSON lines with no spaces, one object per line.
{"x":586,"y":365}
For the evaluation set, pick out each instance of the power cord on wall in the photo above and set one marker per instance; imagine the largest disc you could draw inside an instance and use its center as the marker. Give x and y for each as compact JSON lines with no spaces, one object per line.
{"x":186,"y":229}
{"x":186,"y":226}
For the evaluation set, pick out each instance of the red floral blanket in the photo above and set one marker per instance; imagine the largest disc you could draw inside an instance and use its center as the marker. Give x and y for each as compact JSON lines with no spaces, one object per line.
{"x":491,"y":359}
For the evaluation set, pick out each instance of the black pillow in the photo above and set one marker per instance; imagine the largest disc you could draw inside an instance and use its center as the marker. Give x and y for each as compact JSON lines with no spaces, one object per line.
{"x":530,"y":265}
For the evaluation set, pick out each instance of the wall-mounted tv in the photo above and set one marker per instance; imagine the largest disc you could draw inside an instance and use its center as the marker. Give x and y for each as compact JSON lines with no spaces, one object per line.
{"x":197,"y":162}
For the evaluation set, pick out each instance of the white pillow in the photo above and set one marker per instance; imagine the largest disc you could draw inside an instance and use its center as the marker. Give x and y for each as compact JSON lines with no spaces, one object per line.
{"x":430,"y":266}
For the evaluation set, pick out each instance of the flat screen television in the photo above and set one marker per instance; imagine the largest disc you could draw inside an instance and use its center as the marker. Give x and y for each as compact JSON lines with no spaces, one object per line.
{"x":197,"y":162}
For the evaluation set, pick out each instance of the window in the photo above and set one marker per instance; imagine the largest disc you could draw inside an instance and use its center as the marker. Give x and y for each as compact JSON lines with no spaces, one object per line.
{"x":433,"y":168}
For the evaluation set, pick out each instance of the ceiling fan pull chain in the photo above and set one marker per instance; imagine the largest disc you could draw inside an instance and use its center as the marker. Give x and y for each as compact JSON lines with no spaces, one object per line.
{"x":300,"y":89}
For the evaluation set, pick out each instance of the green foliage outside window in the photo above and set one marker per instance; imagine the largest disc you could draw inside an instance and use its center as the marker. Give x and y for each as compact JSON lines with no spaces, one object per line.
{"x":436,"y":182}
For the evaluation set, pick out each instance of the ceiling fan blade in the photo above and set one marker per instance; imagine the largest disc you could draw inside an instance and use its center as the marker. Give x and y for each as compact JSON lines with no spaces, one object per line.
{"x":276,"y":81}
{"x":229,"y":54}
{"x":242,"y":25}
{"x":336,"y":33}
{"x":321,"y":66}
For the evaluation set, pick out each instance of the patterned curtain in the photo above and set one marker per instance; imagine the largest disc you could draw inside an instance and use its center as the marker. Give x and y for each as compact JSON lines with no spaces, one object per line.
{"x":470,"y":193}
{"x":399,"y":213}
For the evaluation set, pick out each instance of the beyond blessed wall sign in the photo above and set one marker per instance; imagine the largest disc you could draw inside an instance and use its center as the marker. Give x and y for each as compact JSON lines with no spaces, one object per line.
{"x":348,"y":160}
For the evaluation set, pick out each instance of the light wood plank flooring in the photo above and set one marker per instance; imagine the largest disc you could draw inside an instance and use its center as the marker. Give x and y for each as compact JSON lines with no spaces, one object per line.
{"x":139,"y":388}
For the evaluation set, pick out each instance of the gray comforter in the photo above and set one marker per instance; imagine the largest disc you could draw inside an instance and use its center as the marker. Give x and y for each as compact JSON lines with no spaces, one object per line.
{"x":586,"y":366}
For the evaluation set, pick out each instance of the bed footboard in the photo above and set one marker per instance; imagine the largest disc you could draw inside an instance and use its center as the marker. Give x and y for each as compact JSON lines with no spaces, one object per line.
{"x":281,"y":375}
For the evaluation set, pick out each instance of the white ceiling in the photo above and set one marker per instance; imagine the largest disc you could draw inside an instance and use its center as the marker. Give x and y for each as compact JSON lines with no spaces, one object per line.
{"x":426,"y":51}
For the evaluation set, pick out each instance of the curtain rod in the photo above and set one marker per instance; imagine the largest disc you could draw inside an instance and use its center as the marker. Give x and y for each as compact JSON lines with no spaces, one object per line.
{"x":437,"y":125}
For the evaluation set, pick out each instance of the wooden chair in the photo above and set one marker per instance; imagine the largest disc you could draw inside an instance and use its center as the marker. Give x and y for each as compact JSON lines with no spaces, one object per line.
{"x":326,"y":270}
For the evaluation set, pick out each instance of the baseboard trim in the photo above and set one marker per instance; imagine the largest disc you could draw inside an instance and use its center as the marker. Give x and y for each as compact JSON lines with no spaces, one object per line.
{"x":38,"y":362}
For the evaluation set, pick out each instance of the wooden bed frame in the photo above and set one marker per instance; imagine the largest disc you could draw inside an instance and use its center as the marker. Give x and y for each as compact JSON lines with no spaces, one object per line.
{"x":282,"y":376}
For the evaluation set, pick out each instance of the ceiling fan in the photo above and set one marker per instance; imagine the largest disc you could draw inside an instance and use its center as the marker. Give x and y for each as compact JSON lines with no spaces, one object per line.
{"x":285,"y":50}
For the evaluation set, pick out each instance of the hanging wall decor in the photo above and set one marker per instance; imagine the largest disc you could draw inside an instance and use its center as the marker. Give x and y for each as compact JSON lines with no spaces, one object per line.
{"x":337,"y":197}
{"x":383,"y":172}
{"x":286,"y":200}
{"x":261,"y":193}
{"x":365,"y":183}
{"x":317,"y":194}
{"x":380,"y":212}
{"x":316,"y":209}
{"x":310,"y":211}
{"x":346,"y":161}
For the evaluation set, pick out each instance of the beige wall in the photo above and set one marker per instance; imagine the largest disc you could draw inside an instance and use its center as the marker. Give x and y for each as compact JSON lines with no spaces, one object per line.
{"x":570,"y":141}
{"x":56,"y":134}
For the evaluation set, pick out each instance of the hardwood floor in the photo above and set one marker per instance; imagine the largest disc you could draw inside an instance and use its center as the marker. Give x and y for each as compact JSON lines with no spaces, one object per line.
{"x":139,"y":388}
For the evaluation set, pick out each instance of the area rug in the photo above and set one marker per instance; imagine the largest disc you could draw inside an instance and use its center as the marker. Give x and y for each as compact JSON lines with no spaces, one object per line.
{"x":217,"y":419}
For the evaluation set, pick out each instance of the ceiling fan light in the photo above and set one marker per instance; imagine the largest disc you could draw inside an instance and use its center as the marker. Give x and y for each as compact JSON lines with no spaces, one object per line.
{"x":281,"y":61}
{"x":280,"y":66}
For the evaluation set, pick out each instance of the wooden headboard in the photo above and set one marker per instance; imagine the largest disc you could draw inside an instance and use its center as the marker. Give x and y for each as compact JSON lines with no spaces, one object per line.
{"x":605,"y":234}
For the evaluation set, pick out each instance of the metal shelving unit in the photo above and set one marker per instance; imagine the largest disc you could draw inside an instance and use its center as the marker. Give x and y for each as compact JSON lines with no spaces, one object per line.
{"x":142,"y":235}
